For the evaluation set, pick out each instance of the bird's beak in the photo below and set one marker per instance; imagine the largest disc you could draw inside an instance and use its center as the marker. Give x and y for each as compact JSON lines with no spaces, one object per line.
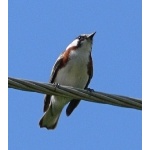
{"x":91,"y":35}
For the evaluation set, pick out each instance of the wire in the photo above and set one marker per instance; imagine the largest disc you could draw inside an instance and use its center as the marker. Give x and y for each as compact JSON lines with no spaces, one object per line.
{"x":66,"y":91}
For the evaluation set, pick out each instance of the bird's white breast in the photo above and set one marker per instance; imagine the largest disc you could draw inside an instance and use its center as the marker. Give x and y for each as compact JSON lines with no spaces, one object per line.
{"x":74,"y":73}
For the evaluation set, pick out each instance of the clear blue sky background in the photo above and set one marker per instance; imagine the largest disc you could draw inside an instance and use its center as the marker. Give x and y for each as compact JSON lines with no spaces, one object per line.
{"x":38,"y":32}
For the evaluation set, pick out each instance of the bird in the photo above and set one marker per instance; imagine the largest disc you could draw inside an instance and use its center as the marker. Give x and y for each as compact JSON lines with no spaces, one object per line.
{"x":74,"y":67}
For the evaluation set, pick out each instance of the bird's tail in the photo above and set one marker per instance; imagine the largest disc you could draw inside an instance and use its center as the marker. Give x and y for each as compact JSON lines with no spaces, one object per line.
{"x":50,"y":118}
{"x":52,"y":112}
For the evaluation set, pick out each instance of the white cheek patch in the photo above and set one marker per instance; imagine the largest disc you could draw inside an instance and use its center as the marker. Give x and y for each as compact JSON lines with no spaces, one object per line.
{"x":74,"y":43}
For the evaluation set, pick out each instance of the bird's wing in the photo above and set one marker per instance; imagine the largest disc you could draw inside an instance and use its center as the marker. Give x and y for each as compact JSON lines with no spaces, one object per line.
{"x":57,"y":66}
{"x":74,"y":103}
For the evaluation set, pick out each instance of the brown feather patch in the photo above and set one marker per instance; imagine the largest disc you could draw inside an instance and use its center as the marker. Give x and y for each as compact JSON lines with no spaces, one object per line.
{"x":67,"y":53}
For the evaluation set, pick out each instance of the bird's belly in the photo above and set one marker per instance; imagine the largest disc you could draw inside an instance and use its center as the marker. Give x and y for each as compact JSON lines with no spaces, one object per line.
{"x":74,"y":75}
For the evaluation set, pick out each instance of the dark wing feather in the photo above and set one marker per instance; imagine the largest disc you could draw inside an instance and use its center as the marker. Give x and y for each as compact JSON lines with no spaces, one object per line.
{"x":56,"y":67}
{"x":74,"y":103}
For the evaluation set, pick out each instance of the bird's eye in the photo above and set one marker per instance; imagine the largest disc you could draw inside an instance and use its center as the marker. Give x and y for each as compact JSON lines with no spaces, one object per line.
{"x":81,"y":38}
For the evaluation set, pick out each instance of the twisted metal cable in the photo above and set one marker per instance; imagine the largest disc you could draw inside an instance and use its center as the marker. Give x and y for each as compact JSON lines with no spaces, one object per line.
{"x":66,"y":91}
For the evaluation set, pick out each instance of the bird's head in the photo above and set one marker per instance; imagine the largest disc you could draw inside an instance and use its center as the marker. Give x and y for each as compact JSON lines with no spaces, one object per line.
{"x":83,"y":41}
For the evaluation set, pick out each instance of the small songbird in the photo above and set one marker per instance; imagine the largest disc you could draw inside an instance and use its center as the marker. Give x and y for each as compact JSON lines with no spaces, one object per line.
{"x":74,"y":68}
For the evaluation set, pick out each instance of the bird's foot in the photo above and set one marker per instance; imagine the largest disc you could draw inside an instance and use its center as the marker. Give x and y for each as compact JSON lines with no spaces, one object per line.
{"x":56,"y":85}
{"x":90,"y":90}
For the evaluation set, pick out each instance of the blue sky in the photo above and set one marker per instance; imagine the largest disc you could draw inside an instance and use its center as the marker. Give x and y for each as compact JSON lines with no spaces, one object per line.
{"x":38,"y":32}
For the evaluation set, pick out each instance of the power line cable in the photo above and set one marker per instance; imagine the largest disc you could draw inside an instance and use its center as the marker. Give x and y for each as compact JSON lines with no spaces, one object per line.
{"x":66,"y":91}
